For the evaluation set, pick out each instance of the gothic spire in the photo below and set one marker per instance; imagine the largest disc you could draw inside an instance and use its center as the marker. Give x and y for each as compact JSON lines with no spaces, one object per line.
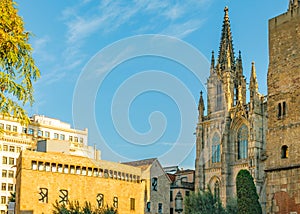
{"x":201,"y":107}
{"x":226,"y":53}
{"x":239,"y":66}
{"x":212,"y":63}
{"x":253,"y":80}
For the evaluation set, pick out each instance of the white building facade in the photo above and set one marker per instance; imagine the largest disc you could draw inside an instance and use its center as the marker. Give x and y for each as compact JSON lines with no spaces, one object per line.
{"x":14,"y":138}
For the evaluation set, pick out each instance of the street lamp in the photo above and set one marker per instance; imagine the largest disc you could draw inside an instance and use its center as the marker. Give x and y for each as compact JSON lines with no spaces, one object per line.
{"x":178,"y":202}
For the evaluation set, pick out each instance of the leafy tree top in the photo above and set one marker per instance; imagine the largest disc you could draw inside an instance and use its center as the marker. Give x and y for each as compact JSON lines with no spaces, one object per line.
{"x":17,"y":66}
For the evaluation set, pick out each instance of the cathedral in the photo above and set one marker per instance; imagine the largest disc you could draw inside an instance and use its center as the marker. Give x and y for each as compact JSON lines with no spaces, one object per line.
{"x":260,"y":134}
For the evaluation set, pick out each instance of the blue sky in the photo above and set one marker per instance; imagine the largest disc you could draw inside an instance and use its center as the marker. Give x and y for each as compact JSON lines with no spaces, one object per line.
{"x":142,"y":106}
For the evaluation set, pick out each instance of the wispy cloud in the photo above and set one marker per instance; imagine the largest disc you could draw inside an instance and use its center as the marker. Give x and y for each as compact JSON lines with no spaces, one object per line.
{"x":109,"y":16}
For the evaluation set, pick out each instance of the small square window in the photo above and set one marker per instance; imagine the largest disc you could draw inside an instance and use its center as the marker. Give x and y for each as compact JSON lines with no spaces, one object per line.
{"x":11,"y":161}
{"x":55,"y":136}
{"x":76,"y":139}
{"x":12,"y":149}
{"x":15,"y":129}
{"x":4,"y":160}
{"x":3,"y":186}
{"x":10,"y":187}
{"x":30,"y":131}
{"x":19,"y":149}
{"x":10,"y":173}
{"x":3,"y":199}
{"x":62,"y":137}
{"x":8,"y":127}
{"x":4,"y":173}
{"x":47,"y":134}
{"x":1,"y":126}
{"x":70,"y":138}
{"x":5,"y":148}
{"x":40,"y":133}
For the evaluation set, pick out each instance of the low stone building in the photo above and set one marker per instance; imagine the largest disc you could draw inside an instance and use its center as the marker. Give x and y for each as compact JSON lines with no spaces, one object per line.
{"x":157,"y":186}
{"x":183,"y":183}
{"x":44,"y":178}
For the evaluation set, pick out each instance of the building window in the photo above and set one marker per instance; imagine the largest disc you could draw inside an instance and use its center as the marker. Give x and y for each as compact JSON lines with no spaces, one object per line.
{"x":53,"y":167}
{"x":24,"y":130}
{"x":33,"y":165}
{"x":5,"y":148}
{"x":8,"y":127}
{"x":3,"y":199}
{"x":281,"y":109}
{"x":171,"y":195}
{"x":12,"y":149}
{"x":15,"y":129}
{"x":4,"y":173}
{"x":4,"y":160}
{"x":18,"y":149}
{"x":30,"y":131}
{"x":10,"y":173}
{"x":115,"y":202}
{"x":284,"y":151}
{"x":76,"y":139}
{"x":154,"y":184}
{"x":148,"y":206}
{"x":219,"y":97}
{"x":216,"y":152}
{"x":40,"y":133}
{"x":62,"y":137}
{"x":10,"y":187}
{"x":132,"y":204}
{"x":243,"y":142}
{"x":70,"y":138}
{"x":47,"y":134}
{"x":187,"y":193}
{"x":81,"y":140}
{"x":217,"y":189}
{"x":55,"y":136}
{"x":11,"y":161}
{"x":1,"y":126}
{"x":3,"y":186}
{"x":160,"y":208}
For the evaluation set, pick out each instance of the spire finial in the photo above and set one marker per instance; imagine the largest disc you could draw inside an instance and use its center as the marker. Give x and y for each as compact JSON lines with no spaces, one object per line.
{"x":226,"y":54}
{"x":226,"y":17}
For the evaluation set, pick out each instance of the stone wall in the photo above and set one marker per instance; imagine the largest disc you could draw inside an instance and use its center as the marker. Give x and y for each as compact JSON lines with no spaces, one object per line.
{"x":283,"y":137}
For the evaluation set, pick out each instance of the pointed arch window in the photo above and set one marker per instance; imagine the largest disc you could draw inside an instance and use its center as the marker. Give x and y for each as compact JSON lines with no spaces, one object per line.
{"x":217,"y":189}
{"x":216,"y":152}
{"x":243,"y":142}
{"x":219,"y":97}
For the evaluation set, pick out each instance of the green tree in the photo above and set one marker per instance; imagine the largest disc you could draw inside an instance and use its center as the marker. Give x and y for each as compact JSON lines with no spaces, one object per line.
{"x":231,"y":206}
{"x":75,"y":208}
{"x":247,"y":198}
{"x":12,"y":197}
{"x":203,"y":202}
{"x":17,"y":67}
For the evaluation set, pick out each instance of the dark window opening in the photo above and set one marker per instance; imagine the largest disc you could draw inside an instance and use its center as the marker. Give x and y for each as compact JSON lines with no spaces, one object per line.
{"x":284,"y":151}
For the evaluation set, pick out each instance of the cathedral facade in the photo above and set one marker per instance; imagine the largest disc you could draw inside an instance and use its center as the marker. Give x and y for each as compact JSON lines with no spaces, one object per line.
{"x":232,"y":134}
{"x":262,"y":135}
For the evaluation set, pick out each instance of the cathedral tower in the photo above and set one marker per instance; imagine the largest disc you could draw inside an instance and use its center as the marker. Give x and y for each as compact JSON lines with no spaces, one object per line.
{"x":230,"y":137}
{"x":283,"y":138}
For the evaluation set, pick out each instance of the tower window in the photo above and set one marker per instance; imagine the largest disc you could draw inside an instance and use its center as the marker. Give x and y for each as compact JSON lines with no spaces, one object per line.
{"x":217,"y":189}
{"x":281,"y":109}
{"x":215,"y":150}
{"x":243,"y":142}
{"x":284,"y":151}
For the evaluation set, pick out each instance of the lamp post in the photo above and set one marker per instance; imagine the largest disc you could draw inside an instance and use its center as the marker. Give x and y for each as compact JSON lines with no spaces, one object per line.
{"x":178,"y":202}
